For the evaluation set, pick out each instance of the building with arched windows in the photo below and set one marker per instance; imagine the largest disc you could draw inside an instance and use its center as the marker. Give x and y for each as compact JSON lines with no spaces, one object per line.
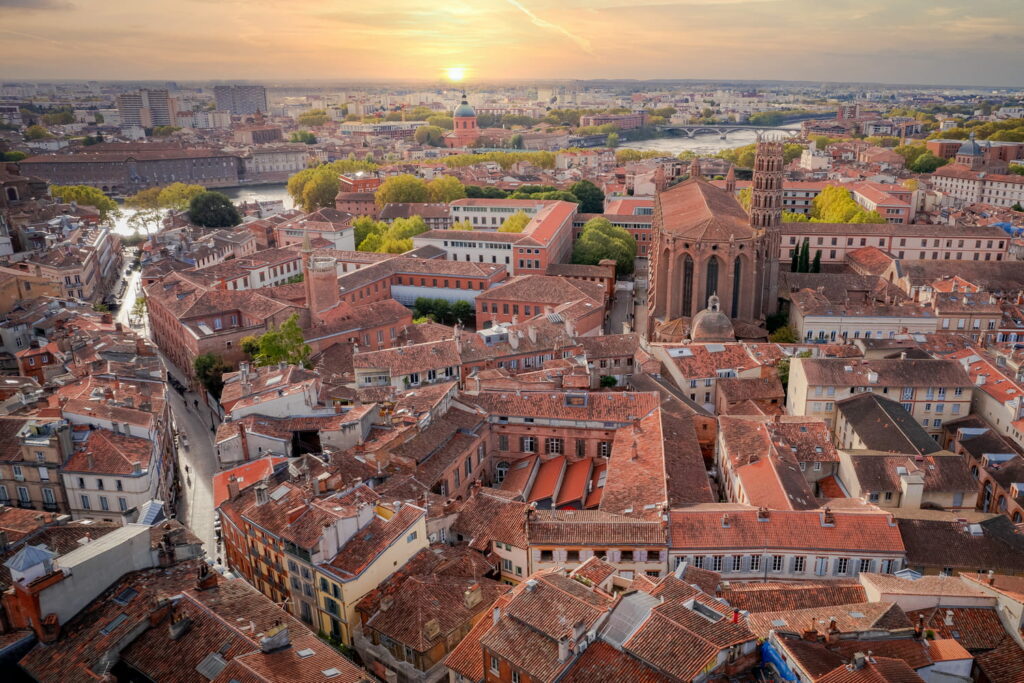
{"x":464,"y":129}
{"x":706,"y":245}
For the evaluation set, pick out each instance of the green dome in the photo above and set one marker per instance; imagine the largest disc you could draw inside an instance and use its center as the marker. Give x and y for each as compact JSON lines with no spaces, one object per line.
{"x":464,"y":109}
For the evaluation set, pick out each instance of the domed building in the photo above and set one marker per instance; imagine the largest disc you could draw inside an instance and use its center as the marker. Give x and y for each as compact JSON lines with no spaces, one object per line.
{"x":711,"y":325}
{"x":464,"y":131}
{"x":971,"y":155}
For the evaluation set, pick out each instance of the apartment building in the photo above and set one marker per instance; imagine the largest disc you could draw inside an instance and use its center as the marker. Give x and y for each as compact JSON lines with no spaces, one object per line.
{"x":32,"y":453}
{"x":745,"y":543}
{"x":933,"y":391}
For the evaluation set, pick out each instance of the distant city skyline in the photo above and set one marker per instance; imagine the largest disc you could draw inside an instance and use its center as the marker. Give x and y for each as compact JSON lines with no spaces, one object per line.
{"x":873,"y":41}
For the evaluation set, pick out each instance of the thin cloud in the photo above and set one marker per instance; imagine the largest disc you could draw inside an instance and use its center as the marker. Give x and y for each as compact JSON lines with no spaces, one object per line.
{"x":35,"y":4}
{"x":583,"y":43}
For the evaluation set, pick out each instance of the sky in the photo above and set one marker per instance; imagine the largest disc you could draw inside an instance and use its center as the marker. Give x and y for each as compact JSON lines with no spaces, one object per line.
{"x":976,"y":42}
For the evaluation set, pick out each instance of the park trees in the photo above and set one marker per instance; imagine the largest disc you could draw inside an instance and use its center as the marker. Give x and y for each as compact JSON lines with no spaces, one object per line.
{"x":446,"y":189}
{"x":429,"y":135}
{"x":402,"y":189}
{"x":213,"y":210}
{"x":86,"y":195}
{"x":601,"y":240}
{"x":589,"y":195}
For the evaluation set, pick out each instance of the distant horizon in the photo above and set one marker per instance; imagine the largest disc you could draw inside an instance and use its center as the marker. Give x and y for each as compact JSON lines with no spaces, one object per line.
{"x":541,"y":82}
{"x":930,"y":43}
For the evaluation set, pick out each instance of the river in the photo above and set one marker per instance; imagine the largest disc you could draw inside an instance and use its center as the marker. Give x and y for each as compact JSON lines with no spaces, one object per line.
{"x":125,"y":225}
{"x":709,"y":143}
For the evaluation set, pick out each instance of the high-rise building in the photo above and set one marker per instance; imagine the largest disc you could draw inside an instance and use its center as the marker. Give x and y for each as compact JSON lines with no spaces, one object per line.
{"x":146,"y":108}
{"x":241,"y":99}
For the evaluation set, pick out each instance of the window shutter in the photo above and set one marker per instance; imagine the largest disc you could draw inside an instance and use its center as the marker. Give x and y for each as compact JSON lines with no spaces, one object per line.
{"x":640,"y":555}
{"x":745,"y":564}
{"x":792,"y":565}
{"x":586,"y":554}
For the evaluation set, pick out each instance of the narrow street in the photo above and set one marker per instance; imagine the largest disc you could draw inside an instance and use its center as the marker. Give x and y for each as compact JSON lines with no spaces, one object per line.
{"x":198,"y":462}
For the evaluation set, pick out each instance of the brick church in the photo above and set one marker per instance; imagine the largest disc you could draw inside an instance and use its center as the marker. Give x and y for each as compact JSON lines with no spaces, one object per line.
{"x":713,"y":265}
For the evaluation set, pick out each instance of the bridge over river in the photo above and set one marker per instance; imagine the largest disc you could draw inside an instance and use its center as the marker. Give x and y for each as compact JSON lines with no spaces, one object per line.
{"x":723,"y":129}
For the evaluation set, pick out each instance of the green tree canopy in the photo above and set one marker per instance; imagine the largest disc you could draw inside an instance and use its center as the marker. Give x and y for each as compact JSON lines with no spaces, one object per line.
{"x":87,"y":196}
{"x":303,"y":136}
{"x":312,"y":118}
{"x":590,"y":196}
{"x":429,"y":135}
{"x":927,"y":163}
{"x":517,"y":222}
{"x":395,"y":238}
{"x":13,"y":155}
{"x":144,"y":199}
{"x":37,"y":132}
{"x":442,"y":121}
{"x":402,"y":188}
{"x":284,"y":343}
{"x":164,"y":131}
{"x":446,"y":188}
{"x":213,"y":210}
{"x":835,"y":205}
{"x":326,"y":176}
{"x":178,"y":195}
{"x":461,"y":225}
{"x":612,"y":141}
{"x":601,"y":240}
{"x":478,"y":192}
{"x":210,"y":370}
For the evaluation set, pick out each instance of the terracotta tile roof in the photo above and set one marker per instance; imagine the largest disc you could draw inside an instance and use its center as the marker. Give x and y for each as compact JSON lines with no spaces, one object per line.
{"x":611,"y":407}
{"x":879,"y":670}
{"x":589,"y":528}
{"x":1005,"y":663}
{"x":59,"y":539}
{"x":594,"y":569}
{"x":683,"y":639}
{"x":369,"y":542}
{"x":698,"y":529}
{"x":850,"y":618}
{"x":413,"y":358}
{"x":635,"y":485}
{"x":943,"y":472}
{"x":105,"y":452}
{"x":487,"y":517}
{"x":602,"y":662}
{"x":247,"y":475}
{"x":696,"y":209}
{"x":891,"y":372}
{"x":946,"y":649}
{"x":780,"y":597}
{"x":439,"y":599}
{"x":544,"y":289}
{"x":19,"y":522}
{"x":976,"y":628}
{"x":542,"y":610}
{"x":937,"y":543}
{"x":467,"y":658}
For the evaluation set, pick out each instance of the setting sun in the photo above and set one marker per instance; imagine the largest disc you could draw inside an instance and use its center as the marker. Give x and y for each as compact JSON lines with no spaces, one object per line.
{"x":455,"y":73}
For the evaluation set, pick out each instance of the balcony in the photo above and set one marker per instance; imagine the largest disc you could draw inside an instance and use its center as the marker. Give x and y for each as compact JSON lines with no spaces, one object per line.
{"x":51,"y":507}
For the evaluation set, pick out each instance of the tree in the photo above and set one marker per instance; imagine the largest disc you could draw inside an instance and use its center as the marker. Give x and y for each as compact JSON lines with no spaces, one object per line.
{"x":362,"y":227}
{"x":478,"y":192}
{"x":794,"y":266}
{"x":816,"y":263}
{"x":835,"y":205}
{"x":517,"y":222}
{"x":927,"y":163}
{"x":144,"y":199}
{"x":590,"y":196}
{"x":516,"y":141}
{"x":783,"y":335}
{"x":446,"y":188}
{"x":429,"y":135}
{"x":209,"y":371}
{"x":320,"y":191}
{"x":164,"y":131}
{"x":612,"y":141}
{"x":178,"y":195}
{"x":59,"y":118}
{"x":402,"y":188}
{"x":139,"y":307}
{"x":601,"y":240}
{"x":442,"y":121}
{"x":86,"y":195}
{"x":303,"y":136}
{"x":283,"y":344}
{"x":13,"y":155}
{"x":462,"y":312}
{"x":312,"y":118}
{"x":251,"y":346}
{"x":37,"y":132}
{"x":461,"y":225}
{"x":213,"y":210}
{"x":1014,"y":168}
{"x":1017,"y":207}
{"x":805,"y":256}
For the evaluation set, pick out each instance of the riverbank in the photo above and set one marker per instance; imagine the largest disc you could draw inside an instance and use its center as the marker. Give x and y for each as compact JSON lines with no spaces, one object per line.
{"x":703,"y":143}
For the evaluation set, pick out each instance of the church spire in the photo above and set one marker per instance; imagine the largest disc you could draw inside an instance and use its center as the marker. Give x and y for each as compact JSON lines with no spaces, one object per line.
{"x":695,"y":168}
{"x":730,"y":180}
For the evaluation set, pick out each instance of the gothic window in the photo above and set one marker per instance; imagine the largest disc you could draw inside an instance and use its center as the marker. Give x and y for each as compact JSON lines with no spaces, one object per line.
{"x":687,"y":285}
{"x":711,"y":286}
{"x":737,"y":268}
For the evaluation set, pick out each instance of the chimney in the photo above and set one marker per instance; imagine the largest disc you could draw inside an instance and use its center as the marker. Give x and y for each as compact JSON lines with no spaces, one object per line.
{"x":919,"y":626}
{"x":762,"y":514}
{"x":205,"y":578}
{"x":261,"y":494}
{"x":243,"y":371}
{"x":277,"y":638}
{"x":991,"y":578}
{"x":495,"y":615}
{"x":563,"y":648}
{"x":811,"y":634}
{"x":177,"y":629}
{"x":735,"y":616}
{"x":532,"y":332}
{"x":385,"y":603}
{"x":949,"y":617}
{"x":472,"y":596}
{"x":136,"y":467}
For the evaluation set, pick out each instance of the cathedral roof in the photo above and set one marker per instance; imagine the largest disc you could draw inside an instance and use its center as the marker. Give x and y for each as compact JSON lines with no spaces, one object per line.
{"x":700,"y":211}
{"x":970,"y":148}
{"x":464,"y":108}
{"x":711,"y":325}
